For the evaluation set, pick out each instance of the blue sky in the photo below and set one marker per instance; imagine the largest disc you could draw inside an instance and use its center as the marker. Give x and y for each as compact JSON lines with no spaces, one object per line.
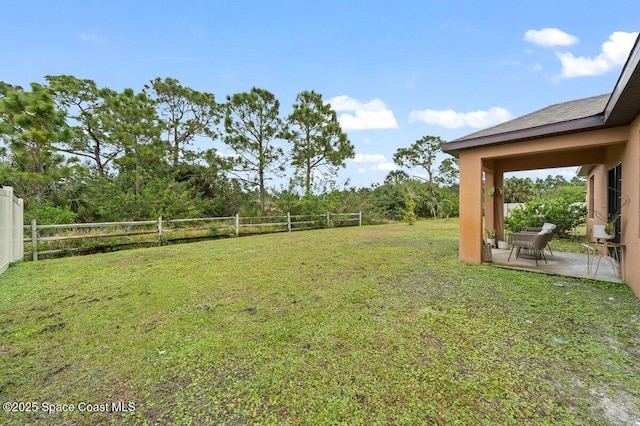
{"x":394,"y":70}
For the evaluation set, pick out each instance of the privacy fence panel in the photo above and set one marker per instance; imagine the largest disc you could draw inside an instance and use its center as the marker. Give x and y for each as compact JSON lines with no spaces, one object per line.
{"x":11,"y":230}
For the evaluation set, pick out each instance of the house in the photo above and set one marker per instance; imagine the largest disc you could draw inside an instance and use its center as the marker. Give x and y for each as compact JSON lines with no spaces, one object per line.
{"x":601,"y":134}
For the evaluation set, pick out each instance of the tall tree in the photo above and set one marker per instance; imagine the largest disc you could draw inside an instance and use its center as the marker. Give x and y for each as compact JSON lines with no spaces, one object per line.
{"x":550,"y":183}
{"x":422,"y":153}
{"x":86,"y":107}
{"x":30,"y":124}
{"x":429,"y":199}
{"x":448,"y":171}
{"x":184,"y":114}
{"x":134,"y":122}
{"x":396,"y":177}
{"x":252,"y":124}
{"x":318,"y":142}
{"x":519,"y":190}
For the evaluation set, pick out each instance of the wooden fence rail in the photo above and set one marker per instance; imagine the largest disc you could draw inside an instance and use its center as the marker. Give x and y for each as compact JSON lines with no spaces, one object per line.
{"x":74,"y":237}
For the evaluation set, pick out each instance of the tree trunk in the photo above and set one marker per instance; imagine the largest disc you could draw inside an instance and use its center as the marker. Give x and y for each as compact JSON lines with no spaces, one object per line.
{"x":307,"y":183}
{"x":176,"y":151}
{"x":136,"y":165}
{"x":261,"y":179}
{"x":98,"y":160}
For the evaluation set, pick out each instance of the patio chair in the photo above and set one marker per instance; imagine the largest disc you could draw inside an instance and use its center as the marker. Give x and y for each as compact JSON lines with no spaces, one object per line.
{"x":537,"y":229}
{"x":533,"y":244}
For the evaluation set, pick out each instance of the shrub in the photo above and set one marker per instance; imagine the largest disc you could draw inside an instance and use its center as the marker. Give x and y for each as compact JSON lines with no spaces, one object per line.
{"x":48,"y":214}
{"x":566,"y":215}
{"x":409,"y":214}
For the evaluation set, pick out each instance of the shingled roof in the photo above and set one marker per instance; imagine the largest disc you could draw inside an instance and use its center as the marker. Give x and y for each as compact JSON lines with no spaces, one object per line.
{"x":615,"y":109}
{"x":558,"y":113}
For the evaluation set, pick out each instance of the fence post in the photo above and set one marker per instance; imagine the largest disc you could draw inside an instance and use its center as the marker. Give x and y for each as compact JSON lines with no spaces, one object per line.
{"x":237,"y":224}
{"x":160,"y":238}
{"x":360,"y":218}
{"x":328,"y":221}
{"x":34,"y":239}
{"x":289,"y":221}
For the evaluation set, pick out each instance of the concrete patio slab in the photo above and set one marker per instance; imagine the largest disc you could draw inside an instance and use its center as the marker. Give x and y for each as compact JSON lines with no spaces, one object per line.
{"x":561,"y":263}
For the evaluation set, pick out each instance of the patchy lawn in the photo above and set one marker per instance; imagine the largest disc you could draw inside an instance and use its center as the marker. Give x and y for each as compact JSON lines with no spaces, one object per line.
{"x":369,"y":325}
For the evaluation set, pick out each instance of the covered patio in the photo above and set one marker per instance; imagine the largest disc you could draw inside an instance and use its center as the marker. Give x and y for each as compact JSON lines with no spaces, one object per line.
{"x":564,"y":264}
{"x":601,"y":134}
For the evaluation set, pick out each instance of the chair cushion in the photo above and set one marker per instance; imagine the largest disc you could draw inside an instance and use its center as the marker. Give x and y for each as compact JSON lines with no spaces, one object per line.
{"x":549,"y":226}
{"x":544,"y":231}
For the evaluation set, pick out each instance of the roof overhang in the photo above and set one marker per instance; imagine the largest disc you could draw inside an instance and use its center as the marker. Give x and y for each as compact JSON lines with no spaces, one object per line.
{"x":624,"y":103}
{"x":622,"y":107}
{"x":573,"y":126}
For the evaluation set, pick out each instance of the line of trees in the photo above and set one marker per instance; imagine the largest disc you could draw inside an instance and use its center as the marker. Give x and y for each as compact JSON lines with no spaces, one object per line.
{"x":75,"y":151}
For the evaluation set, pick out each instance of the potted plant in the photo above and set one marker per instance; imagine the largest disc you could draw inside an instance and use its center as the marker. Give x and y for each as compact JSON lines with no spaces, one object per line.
{"x":491,"y":237}
{"x":610,"y":227}
{"x":504,"y":245}
{"x":492,"y":191}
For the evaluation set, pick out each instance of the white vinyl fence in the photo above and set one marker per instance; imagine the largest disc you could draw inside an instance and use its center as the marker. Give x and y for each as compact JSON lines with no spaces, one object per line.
{"x":11,"y":229}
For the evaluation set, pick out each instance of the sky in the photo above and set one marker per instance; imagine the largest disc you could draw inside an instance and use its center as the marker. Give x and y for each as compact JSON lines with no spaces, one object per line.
{"x":394,"y":71}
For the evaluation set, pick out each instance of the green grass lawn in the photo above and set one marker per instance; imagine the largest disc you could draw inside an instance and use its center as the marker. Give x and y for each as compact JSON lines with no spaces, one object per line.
{"x":365,"y":325}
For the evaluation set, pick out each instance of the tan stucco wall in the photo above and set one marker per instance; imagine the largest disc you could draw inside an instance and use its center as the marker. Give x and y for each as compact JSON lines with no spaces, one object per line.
{"x":629,"y":155}
{"x":597,"y":177}
{"x":630,"y":224}
{"x":603,"y":147}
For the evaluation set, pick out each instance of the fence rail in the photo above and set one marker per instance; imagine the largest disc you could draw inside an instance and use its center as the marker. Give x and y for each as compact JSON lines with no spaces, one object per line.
{"x":11,"y":233}
{"x":44,"y":240}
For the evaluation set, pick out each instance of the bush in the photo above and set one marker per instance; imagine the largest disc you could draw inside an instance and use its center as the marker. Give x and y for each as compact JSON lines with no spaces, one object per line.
{"x":48,"y":214}
{"x":409,"y":214}
{"x":566,"y":215}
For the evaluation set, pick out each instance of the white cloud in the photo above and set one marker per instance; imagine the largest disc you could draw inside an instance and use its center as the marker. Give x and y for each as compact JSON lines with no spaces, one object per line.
{"x":615,"y":52}
{"x":549,"y":37}
{"x":380,"y":162}
{"x":453,"y":120}
{"x":92,"y":38}
{"x":370,"y":115}
{"x":387,"y":167}
{"x":369,"y":158}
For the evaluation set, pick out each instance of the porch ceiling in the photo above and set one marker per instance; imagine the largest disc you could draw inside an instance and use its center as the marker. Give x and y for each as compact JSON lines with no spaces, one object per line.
{"x":578,"y":156}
